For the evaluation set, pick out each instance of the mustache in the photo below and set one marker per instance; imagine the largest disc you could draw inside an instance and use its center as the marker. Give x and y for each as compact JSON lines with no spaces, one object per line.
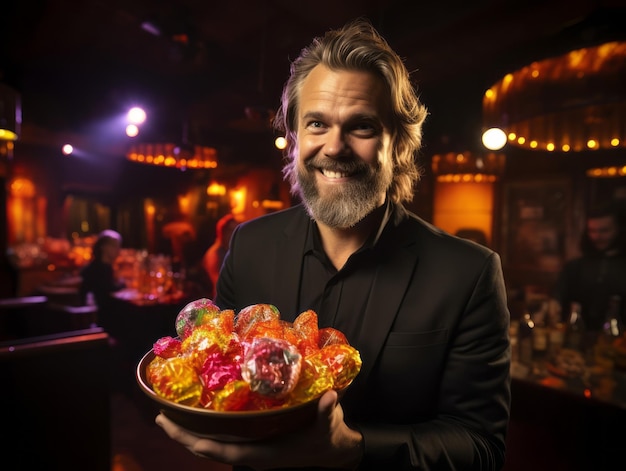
{"x":350,"y":166}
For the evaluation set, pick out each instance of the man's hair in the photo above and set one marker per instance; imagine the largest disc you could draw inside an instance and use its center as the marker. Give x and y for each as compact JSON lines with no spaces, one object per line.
{"x":104,"y":238}
{"x":359,"y":47}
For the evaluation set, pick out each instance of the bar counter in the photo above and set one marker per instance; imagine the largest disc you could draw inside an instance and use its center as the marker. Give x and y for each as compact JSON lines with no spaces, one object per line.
{"x":569,"y":424}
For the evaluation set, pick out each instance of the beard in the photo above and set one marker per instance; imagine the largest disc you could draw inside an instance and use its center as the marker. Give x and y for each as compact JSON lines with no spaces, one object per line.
{"x":342,"y":206}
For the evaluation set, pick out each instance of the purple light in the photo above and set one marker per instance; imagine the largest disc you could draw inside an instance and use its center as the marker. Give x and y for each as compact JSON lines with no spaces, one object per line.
{"x":136,"y":115}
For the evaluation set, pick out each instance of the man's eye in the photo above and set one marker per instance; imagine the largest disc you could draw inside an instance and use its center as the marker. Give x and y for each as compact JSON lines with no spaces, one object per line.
{"x":365,"y":129}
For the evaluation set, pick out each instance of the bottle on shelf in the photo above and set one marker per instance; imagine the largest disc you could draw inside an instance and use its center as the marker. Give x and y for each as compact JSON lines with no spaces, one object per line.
{"x":575,"y":329}
{"x":612,"y":330}
{"x":525,"y":339}
{"x":540,"y":335}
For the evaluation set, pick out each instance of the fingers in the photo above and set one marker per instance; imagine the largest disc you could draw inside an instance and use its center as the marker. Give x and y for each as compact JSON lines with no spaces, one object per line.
{"x":174,"y":431}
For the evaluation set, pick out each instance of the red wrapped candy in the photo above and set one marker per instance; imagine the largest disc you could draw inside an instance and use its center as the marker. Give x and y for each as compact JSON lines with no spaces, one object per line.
{"x":271,"y":367}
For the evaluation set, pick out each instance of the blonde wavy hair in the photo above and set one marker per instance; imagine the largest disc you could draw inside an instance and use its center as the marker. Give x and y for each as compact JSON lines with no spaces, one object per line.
{"x":358,"y":46}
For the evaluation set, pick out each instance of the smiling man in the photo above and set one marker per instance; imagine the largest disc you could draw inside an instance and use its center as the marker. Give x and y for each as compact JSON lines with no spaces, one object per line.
{"x":426,"y":310}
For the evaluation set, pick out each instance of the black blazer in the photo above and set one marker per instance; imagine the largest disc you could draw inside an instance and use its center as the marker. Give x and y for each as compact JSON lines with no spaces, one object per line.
{"x":434,"y":388}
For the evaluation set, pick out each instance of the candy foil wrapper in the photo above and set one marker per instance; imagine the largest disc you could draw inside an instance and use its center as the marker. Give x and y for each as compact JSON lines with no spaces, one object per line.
{"x":198,"y":312}
{"x":271,"y":367}
{"x":175,"y":379}
{"x":167,"y":347}
{"x":344,"y":362}
{"x":218,"y":370}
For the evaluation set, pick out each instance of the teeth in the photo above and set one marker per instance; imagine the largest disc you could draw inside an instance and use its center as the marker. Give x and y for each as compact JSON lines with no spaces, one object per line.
{"x":331,"y":174}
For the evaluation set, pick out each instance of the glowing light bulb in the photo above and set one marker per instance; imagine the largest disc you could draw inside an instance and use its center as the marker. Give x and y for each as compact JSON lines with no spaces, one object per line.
{"x":494,"y":139}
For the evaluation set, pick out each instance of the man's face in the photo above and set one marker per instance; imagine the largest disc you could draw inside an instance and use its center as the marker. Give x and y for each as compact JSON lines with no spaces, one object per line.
{"x":602,"y":232}
{"x":344,"y":165}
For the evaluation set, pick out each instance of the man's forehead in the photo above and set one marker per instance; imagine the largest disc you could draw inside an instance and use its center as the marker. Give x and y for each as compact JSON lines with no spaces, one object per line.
{"x":602,"y":221}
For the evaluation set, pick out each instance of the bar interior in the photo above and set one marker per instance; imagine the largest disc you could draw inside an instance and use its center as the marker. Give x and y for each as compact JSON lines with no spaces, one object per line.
{"x":205,"y":81}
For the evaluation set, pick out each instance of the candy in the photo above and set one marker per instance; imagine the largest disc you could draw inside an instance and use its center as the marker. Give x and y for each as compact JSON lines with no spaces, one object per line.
{"x":271,"y":367}
{"x":315,"y":379}
{"x":218,"y":370}
{"x":249,"y":361}
{"x":330,"y":336}
{"x":306,"y":327}
{"x":167,"y":347}
{"x":250,"y":315}
{"x":195,"y":313}
{"x":344,"y":362}
{"x":176,"y":380}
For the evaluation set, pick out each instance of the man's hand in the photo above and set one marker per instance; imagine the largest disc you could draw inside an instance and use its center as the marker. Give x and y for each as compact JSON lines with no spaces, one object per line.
{"x":329,"y":442}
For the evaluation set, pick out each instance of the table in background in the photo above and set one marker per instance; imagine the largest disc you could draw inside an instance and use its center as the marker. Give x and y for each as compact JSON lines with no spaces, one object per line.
{"x":134,"y":325}
{"x":566,"y":423}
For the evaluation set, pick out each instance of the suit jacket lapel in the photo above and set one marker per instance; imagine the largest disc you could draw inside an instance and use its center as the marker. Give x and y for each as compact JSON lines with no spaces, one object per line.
{"x":288,"y":248}
{"x":392,"y":280}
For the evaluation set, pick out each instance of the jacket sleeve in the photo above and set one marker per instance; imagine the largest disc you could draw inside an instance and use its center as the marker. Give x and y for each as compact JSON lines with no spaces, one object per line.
{"x":468,"y":431}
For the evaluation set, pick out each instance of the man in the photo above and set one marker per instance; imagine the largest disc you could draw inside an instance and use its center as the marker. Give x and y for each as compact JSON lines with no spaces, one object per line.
{"x":426,"y":310}
{"x":599,"y":273}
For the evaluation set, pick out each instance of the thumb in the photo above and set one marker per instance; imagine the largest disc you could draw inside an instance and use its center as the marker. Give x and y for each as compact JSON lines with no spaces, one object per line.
{"x":327,"y":405}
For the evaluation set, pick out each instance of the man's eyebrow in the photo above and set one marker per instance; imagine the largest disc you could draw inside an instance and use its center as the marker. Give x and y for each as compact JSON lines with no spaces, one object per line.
{"x":313,"y":115}
{"x":357,"y":117}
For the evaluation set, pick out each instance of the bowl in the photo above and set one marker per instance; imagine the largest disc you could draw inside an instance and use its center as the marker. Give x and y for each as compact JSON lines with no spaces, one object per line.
{"x":233,"y":426}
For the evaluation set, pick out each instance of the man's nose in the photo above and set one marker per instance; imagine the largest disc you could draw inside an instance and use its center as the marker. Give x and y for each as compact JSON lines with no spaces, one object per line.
{"x":336,"y":144}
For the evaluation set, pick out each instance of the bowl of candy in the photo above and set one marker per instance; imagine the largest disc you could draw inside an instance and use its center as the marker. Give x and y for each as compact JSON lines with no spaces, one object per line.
{"x":245,"y":376}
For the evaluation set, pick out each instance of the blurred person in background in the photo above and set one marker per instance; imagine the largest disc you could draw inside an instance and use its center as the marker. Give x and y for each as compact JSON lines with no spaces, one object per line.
{"x":426,"y":310}
{"x":214,"y":256}
{"x":600,"y":272}
{"x":98,"y":276}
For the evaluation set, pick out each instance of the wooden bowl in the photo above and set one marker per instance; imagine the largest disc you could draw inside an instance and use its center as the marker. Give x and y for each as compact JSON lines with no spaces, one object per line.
{"x":235,"y":426}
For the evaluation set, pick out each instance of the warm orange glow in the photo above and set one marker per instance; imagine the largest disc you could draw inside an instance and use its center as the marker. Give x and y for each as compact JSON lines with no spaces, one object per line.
{"x":216,"y":189}
{"x":183,"y":204}
{"x":22,"y":188}
{"x":238,"y":200}
{"x":468,"y":166}
{"x":464,"y":205}
{"x":272,"y":204}
{"x":171,"y":155}
{"x":26,"y":212}
{"x":607,"y":172}
{"x":573,"y":99}
{"x":149,"y":209}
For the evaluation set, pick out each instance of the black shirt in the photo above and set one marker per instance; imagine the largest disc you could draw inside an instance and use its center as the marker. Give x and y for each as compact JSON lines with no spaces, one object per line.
{"x":337,"y":296}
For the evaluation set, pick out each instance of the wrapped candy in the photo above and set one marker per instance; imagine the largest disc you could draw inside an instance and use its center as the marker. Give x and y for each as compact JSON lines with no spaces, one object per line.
{"x":195,"y":313}
{"x":218,"y":370}
{"x":330,"y":336}
{"x":176,"y":380}
{"x":344,"y":362}
{"x":271,"y":367}
{"x":203,"y":341}
{"x":315,"y":379}
{"x":249,"y":316}
{"x":167,"y":347}
{"x":306,"y":327}
{"x":249,"y":361}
